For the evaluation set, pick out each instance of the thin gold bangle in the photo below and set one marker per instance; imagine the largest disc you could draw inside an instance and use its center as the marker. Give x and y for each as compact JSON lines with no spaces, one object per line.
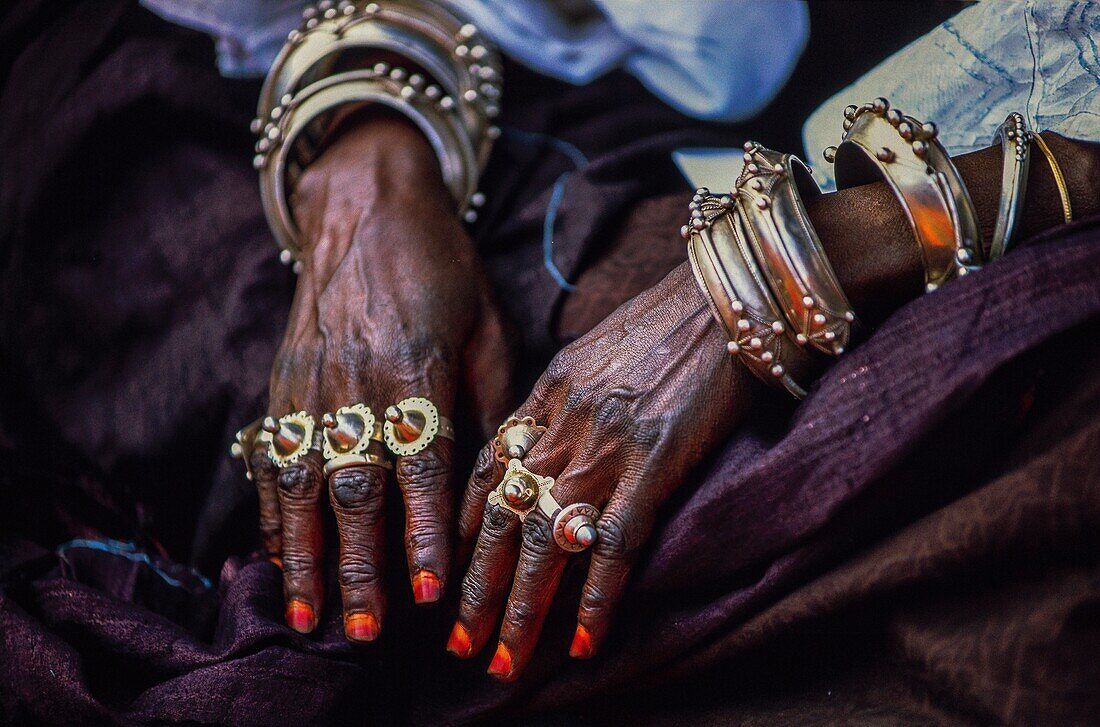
{"x":1059,"y":179}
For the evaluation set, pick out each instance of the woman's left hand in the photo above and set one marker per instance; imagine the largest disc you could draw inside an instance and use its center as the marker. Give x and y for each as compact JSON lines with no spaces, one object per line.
{"x":630,"y":408}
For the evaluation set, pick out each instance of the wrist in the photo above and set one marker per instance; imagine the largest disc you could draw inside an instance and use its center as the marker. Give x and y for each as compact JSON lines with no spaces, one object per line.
{"x":376,"y":168}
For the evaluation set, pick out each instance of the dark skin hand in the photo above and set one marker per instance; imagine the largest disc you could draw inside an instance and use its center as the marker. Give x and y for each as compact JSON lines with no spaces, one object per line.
{"x":636,"y":403}
{"x":391,"y":302}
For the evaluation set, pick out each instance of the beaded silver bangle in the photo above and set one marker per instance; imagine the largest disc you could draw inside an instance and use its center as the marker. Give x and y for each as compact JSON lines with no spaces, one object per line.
{"x":770,"y":192}
{"x":882,"y":142}
{"x":458,"y":75}
{"x":289,"y":150}
{"x":731,"y":281}
{"x":1015,"y":140}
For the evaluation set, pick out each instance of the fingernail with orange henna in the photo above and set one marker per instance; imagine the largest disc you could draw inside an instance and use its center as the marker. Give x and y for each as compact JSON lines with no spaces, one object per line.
{"x":459,"y":643}
{"x":425,"y":586}
{"x":277,"y":561}
{"x":501,"y":665}
{"x":581,"y":647}
{"x":361,"y":626}
{"x":299,"y":616}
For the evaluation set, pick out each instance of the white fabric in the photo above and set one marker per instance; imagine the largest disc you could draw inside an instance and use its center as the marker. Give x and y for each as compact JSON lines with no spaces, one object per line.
{"x":711,"y":59}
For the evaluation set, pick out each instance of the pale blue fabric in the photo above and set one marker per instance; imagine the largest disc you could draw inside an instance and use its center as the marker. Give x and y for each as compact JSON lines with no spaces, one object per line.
{"x":1038,"y":57}
{"x":711,"y":59}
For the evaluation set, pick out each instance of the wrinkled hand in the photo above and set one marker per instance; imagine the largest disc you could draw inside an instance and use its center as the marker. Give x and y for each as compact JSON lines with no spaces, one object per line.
{"x":390,"y":303}
{"x":630,"y":408}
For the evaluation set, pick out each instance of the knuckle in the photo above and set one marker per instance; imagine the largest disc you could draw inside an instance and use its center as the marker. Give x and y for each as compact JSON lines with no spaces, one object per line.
{"x":561,"y":367}
{"x":357,"y":573}
{"x":613,"y":542}
{"x":426,"y":470}
{"x":424,"y":535}
{"x":648,"y":432}
{"x":262,"y":466}
{"x":299,"y":481}
{"x":485,"y":465}
{"x":298,"y":564}
{"x":474,"y":593}
{"x":353,"y":488}
{"x":537,"y":536}
{"x":579,"y":398}
{"x":521,"y":615}
{"x":612,"y":410}
{"x":595,"y":598}
{"x":497,"y":522}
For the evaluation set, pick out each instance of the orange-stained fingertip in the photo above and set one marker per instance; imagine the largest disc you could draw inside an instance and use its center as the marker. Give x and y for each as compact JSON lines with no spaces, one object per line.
{"x":501,"y":665}
{"x":459,"y":642}
{"x":581,"y":648}
{"x":426,"y":586}
{"x":277,"y":561}
{"x":300,"y":616}
{"x":361,"y":627}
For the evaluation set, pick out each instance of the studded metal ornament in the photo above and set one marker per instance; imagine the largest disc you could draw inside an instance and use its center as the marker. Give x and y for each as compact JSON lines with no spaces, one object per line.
{"x":790,"y":256}
{"x":521,"y":490}
{"x":411,"y":425}
{"x":348,"y":431}
{"x":246,"y":442}
{"x":515,"y":438}
{"x":575,"y":527}
{"x":289,"y":438}
{"x":453,"y":98}
{"x":906,"y":153}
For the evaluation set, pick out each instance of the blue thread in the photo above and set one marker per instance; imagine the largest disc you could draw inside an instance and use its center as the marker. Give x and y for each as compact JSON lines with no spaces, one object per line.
{"x":128,"y":551}
{"x":579,"y":160}
{"x":548,"y":234}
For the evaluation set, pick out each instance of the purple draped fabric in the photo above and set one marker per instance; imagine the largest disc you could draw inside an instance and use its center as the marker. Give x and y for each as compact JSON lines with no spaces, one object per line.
{"x":918,"y":540}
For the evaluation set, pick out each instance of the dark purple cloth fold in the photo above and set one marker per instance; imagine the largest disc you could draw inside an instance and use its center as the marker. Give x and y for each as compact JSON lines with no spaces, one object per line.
{"x":917,"y":541}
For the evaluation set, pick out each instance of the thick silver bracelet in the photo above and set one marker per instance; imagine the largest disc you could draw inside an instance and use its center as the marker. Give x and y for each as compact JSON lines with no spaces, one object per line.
{"x":770,"y":192}
{"x":881,"y":142}
{"x":290,"y":149}
{"x":740,"y":300}
{"x":452,"y":72}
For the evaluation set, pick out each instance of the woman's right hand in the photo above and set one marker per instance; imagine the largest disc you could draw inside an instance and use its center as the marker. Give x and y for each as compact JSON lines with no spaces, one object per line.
{"x":391,"y":303}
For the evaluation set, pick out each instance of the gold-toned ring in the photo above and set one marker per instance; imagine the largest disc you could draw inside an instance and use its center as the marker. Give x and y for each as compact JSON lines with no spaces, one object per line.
{"x":244,"y":445}
{"x":516,"y":437}
{"x":344,"y":461}
{"x":289,"y":437}
{"x":521,"y":490}
{"x":348,"y":430}
{"x":412,"y":424}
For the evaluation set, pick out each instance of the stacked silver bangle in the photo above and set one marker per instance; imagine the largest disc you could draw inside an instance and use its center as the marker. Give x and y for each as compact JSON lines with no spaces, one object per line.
{"x":763,"y":270}
{"x":449,"y":86}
